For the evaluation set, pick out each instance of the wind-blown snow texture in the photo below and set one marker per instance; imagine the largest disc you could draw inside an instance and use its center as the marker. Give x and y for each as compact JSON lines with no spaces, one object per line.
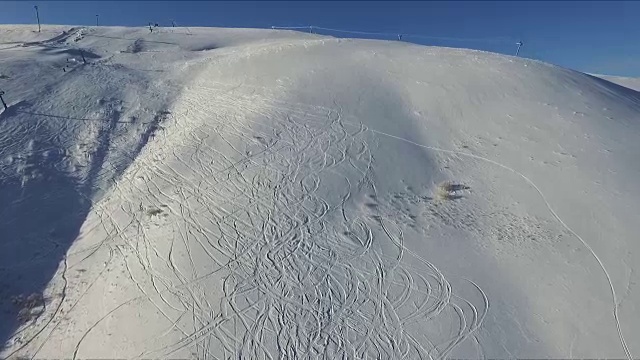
{"x":234,"y":193}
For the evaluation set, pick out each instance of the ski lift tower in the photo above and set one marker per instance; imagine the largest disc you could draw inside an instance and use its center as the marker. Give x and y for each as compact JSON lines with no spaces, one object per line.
{"x":519,"y":43}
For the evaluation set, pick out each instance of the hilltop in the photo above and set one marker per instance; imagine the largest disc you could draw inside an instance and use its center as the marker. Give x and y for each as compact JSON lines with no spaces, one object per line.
{"x":216,"y":193}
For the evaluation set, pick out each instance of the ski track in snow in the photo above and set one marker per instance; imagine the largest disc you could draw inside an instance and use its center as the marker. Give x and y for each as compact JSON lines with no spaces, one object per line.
{"x":615,"y":304}
{"x":295,"y":283}
{"x":614,"y":300}
{"x":297,"y":269}
{"x":304,"y":276}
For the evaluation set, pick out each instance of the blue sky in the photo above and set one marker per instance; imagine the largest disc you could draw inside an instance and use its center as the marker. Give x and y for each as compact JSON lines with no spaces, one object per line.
{"x":597,"y":37}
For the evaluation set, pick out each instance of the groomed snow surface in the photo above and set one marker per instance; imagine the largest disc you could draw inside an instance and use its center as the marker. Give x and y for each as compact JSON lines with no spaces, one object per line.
{"x":234,"y":193}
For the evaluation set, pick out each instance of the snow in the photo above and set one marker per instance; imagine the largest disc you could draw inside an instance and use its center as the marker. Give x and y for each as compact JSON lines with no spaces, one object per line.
{"x":216,"y":193}
{"x":628,"y":82}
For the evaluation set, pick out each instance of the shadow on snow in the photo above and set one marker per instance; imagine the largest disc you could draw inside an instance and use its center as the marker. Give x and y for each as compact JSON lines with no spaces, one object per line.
{"x":43,"y":206}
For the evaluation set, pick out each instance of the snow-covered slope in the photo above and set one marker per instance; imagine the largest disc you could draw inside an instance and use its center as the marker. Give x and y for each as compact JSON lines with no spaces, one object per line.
{"x":216,"y":193}
{"x":628,"y":82}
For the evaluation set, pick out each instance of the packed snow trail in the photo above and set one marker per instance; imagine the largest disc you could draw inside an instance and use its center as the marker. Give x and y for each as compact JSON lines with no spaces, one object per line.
{"x":283,"y":201}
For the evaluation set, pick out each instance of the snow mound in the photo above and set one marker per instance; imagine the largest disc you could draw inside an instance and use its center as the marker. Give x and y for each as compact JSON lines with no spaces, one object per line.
{"x":256,"y":193}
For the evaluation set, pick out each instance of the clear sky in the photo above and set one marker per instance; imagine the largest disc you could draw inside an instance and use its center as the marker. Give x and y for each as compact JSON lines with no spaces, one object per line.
{"x":596,"y":37}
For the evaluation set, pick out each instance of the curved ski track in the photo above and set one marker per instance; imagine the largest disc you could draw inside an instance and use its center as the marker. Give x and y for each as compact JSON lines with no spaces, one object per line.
{"x":296,"y":268}
{"x":304,"y":274}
